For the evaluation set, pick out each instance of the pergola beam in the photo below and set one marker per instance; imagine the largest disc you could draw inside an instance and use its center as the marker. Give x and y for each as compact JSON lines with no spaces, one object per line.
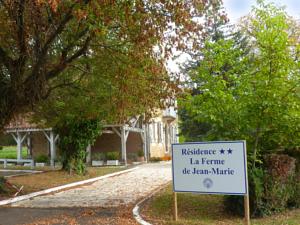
{"x":134,"y":129}
{"x":9,"y":130}
{"x":116,"y":131}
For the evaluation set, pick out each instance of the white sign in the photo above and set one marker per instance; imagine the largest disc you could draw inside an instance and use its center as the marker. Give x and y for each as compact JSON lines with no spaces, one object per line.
{"x":210,"y":167}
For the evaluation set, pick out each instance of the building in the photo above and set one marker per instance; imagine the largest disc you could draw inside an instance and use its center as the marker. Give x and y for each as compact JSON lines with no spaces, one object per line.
{"x":154,"y":139}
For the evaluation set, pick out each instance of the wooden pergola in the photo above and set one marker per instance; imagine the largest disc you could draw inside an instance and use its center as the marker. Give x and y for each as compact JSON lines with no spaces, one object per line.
{"x":21,"y":133}
{"x":21,"y":130}
{"x":122,"y":130}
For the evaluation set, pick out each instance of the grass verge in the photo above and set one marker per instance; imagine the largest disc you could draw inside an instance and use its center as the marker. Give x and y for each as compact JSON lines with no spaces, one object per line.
{"x":196,"y":209}
{"x":10,"y":152}
{"x":49,"y":179}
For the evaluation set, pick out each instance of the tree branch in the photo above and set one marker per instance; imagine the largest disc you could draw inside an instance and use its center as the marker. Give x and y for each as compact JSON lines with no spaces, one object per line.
{"x":42,"y":54}
{"x":21,"y":37}
{"x":65,"y":62}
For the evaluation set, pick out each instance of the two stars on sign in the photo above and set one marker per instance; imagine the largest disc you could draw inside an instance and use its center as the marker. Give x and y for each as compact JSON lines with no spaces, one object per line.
{"x":229,"y":151}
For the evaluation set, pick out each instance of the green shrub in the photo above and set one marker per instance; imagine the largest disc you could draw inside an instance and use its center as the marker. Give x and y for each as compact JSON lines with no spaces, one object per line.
{"x":295,"y":153}
{"x":75,"y":134}
{"x":294,"y":201}
{"x":6,"y":140}
{"x":133,"y":156}
{"x":235,"y":204}
{"x":99,"y":156}
{"x":112,"y":155}
{"x":140,"y":153}
{"x":41,"y":159}
{"x":272,"y":188}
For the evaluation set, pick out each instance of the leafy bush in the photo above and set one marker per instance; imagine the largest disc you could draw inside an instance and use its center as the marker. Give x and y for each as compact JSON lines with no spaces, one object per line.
{"x":140,"y":153}
{"x":294,"y":202}
{"x":99,"y":156}
{"x":235,"y":204}
{"x":132,"y":156}
{"x":112,"y":155}
{"x":6,"y":140}
{"x":41,"y":159}
{"x":295,"y":153}
{"x":280,"y":182}
{"x":271,"y":189}
{"x":75,"y":135}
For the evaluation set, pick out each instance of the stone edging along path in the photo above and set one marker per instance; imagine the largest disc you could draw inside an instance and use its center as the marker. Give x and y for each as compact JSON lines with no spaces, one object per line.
{"x":136,"y":209}
{"x":60,"y":188}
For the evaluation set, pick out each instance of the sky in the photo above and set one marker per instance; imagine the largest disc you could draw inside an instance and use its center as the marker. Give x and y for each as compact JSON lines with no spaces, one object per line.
{"x":238,"y":8}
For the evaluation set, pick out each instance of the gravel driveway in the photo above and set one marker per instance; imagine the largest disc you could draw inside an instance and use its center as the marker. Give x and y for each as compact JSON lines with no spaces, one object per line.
{"x":110,"y":192}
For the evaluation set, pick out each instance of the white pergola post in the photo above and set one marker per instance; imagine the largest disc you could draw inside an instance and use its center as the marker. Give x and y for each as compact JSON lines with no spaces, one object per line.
{"x":144,"y":139}
{"x":52,"y":140}
{"x":148,"y":140}
{"x":19,"y":139}
{"x":168,"y":137}
{"x":123,"y":135}
{"x":19,"y":146}
{"x":123,"y":145}
{"x":89,"y":154}
{"x":29,"y":145}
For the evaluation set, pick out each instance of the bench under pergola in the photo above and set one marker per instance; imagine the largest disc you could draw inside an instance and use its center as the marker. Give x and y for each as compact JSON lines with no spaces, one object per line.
{"x":20,"y":128}
{"x":21,"y":133}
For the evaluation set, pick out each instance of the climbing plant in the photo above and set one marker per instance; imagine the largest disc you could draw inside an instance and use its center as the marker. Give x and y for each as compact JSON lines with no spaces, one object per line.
{"x":75,"y":135}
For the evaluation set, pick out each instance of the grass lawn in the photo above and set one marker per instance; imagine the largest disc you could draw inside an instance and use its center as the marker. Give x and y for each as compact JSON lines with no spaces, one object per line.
{"x":196,"y":209}
{"x":10,"y":152}
{"x":49,"y":179}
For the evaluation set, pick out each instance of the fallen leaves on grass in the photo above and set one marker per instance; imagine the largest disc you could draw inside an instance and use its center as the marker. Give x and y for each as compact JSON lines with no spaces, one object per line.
{"x":91,"y":216}
{"x":50,"y":179}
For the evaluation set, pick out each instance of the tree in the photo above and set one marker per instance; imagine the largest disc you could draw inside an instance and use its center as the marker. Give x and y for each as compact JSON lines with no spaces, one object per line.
{"x":230,"y":50}
{"x":119,"y":86}
{"x":252,"y":95}
{"x":47,"y":44}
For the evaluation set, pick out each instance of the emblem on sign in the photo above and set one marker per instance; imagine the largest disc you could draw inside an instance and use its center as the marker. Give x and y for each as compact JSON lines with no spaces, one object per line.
{"x":208,"y":183}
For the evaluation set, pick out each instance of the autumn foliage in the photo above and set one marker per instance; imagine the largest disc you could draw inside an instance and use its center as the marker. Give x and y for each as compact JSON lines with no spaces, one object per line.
{"x":47,"y":44}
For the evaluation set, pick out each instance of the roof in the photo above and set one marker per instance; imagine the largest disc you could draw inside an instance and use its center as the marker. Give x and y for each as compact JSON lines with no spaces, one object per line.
{"x":22,"y":123}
